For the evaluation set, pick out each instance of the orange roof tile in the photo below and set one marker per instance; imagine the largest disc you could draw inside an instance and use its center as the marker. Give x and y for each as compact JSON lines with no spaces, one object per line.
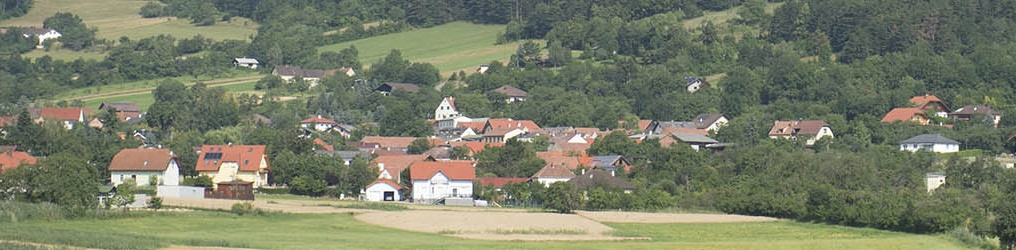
{"x":385,"y":181}
{"x":922,"y":99}
{"x":554,"y":171}
{"x":394,"y":164}
{"x":248,"y":157}
{"x":454,"y":170}
{"x":133,"y":159}
{"x":317,"y":120}
{"x":64,"y":114}
{"x":476,"y":126}
{"x":569,"y":162}
{"x":389,"y":142}
{"x":903,"y":114}
{"x":509,"y":123}
{"x":13,"y":159}
{"x":324,"y":145}
{"x":570,"y":148}
{"x":788,"y":128}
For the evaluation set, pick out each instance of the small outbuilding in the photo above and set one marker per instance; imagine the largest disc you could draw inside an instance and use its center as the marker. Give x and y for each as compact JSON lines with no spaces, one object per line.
{"x":383,"y":190}
{"x":245,"y":62}
{"x":930,"y":142}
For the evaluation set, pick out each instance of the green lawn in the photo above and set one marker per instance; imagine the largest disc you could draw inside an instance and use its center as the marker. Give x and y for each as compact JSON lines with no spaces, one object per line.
{"x":341,"y":231}
{"x":145,"y":99}
{"x":451,"y":47}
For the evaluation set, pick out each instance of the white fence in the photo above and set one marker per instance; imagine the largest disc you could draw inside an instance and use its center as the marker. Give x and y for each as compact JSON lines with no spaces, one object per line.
{"x":181,"y":192}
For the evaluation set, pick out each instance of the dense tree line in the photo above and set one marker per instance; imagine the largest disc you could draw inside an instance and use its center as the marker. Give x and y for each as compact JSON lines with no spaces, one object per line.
{"x":14,"y":8}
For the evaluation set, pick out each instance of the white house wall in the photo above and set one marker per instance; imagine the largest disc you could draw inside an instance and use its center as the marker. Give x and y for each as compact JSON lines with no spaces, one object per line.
{"x":439,"y":186}
{"x":377,"y":191}
{"x":140,"y":177}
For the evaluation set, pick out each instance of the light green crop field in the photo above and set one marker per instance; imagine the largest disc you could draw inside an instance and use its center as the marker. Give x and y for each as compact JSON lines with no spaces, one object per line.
{"x":342,"y":231}
{"x":451,"y":47}
{"x":145,"y":99}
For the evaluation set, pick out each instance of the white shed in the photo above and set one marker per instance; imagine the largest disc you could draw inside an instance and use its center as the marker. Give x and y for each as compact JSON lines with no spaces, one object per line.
{"x":383,"y":190}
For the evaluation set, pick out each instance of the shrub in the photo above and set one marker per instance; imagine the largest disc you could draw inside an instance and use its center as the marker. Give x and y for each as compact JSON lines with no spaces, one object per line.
{"x":242,"y":208}
{"x":155,"y":203}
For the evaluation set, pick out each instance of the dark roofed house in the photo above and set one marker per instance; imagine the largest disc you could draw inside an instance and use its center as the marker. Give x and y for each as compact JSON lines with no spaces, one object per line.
{"x":971,"y":112}
{"x":513,"y":94}
{"x":389,"y":87}
{"x":601,"y":179}
{"x":930,"y":142}
{"x":126,"y":111}
{"x":693,"y":84}
{"x":610,"y":163}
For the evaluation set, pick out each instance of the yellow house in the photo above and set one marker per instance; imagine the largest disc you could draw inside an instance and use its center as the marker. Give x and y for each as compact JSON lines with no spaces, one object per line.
{"x":224,"y":163}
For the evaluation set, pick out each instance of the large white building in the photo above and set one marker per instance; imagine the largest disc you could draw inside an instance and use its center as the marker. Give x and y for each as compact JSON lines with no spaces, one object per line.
{"x":443,"y":179}
{"x":930,"y":142}
{"x":141,"y":165}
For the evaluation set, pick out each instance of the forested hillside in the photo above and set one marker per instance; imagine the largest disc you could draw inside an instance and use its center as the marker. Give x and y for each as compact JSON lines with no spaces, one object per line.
{"x":845,"y":62}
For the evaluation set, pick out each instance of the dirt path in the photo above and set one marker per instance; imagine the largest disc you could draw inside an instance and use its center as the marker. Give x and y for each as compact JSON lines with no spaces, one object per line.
{"x":637,"y":217}
{"x":212,"y":83}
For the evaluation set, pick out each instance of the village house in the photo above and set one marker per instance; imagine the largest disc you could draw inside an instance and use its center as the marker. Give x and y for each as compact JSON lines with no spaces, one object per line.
{"x":318,"y":123}
{"x":932,"y":103}
{"x":224,"y":163}
{"x":808,"y":130}
{"x":553,"y":172}
{"x":930,"y":142}
{"x":915,"y":115}
{"x":433,"y":181}
{"x":512,"y":94}
{"x":391,"y":166}
{"x":693,"y":84}
{"x":446,"y":110}
{"x":42,"y":34}
{"x":10,"y":158}
{"x":610,"y":163}
{"x":971,"y":112}
{"x":143,"y":164}
{"x":68,"y":116}
{"x":125,"y":111}
{"x":289,"y":73}
{"x":245,"y":62}
{"x":388,"y":88}
{"x":383,"y":190}
{"x":702,"y":124}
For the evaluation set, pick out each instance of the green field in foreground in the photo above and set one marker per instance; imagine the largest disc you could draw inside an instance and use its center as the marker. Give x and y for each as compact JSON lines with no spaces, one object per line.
{"x":451,"y":47}
{"x":342,"y":231}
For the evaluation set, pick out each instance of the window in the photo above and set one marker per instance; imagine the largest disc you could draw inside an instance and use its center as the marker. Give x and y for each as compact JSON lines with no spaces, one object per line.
{"x":135,"y":177}
{"x":246,"y":162}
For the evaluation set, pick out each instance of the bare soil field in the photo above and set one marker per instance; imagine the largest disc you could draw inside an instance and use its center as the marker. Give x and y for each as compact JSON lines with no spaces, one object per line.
{"x":666,"y":218}
{"x":495,"y":225}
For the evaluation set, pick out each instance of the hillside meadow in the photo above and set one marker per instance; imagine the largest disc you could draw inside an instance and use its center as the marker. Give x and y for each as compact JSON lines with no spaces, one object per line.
{"x":342,"y":231}
{"x":450,"y":47}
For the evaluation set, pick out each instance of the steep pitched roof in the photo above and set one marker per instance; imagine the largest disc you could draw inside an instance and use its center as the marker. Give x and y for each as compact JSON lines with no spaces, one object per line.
{"x":498,"y":182}
{"x":476,"y":126}
{"x":559,"y":159}
{"x":317,"y":120}
{"x":789,"y":128}
{"x":12,"y":159}
{"x":385,"y":181}
{"x":64,"y":114}
{"x":902,"y":114}
{"x":923,"y":101}
{"x":133,"y":159}
{"x":704,"y":120}
{"x":248,"y":157}
{"x":929,"y":138}
{"x":511,"y":91}
{"x":554,"y":171}
{"x":599,"y":178}
{"x":454,"y":170}
{"x":321,"y":144}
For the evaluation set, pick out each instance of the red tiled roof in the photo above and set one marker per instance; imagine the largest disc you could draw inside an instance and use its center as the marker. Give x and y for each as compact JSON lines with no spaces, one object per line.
{"x":902,"y":114}
{"x":569,"y":162}
{"x":396,"y":163}
{"x":499,"y":182}
{"x":388,"y":152}
{"x":133,"y":159}
{"x":476,"y":126}
{"x":64,"y":114}
{"x":925,"y":100}
{"x":7,"y":120}
{"x":570,"y":148}
{"x":324,"y":145}
{"x":499,"y":131}
{"x":476,"y":147}
{"x":454,"y":170}
{"x":12,"y":159}
{"x":509,"y":123}
{"x":317,"y":120}
{"x":788,"y":128}
{"x":554,"y":171}
{"x":248,"y":157}
{"x":385,"y":181}
{"x":389,"y":142}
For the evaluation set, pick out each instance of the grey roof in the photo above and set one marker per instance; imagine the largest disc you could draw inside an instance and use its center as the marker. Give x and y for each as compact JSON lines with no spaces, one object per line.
{"x":929,"y":138}
{"x":605,"y":161}
{"x":694,"y":138}
{"x":974,"y":109}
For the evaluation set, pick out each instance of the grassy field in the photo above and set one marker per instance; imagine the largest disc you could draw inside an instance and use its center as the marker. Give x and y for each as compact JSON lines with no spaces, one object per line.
{"x":451,"y":47}
{"x":65,"y":54}
{"x":341,"y":231}
{"x":145,"y":99}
